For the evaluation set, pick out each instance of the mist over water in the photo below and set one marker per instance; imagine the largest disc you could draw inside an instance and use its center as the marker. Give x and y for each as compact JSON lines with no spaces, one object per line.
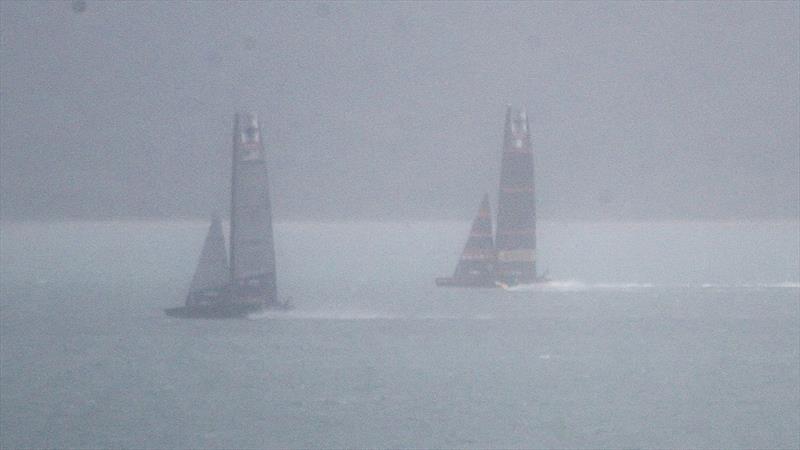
{"x":664,"y":137}
{"x":652,"y":335}
{"x":348,"y":256}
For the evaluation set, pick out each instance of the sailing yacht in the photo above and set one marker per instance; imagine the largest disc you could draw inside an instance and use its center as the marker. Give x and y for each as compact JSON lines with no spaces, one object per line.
{"x":249,"y":284}
{"x":510,"y":258}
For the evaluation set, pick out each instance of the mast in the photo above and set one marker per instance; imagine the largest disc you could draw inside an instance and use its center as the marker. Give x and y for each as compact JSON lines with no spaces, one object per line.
{"x":211,"y":275}
{"x":478,"y":258}
{"x":252,"y":274}
{"x":516,"y":210}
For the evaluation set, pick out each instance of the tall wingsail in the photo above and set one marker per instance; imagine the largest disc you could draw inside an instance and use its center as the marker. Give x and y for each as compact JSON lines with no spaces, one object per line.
{"x":212,"y":273}
{"x":516,"y":210}
{"x":253,"y":279}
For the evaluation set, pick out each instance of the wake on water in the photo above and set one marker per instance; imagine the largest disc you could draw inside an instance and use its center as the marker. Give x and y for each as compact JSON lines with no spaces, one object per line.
{"x":575,"y":286}
{"x":782,"y":285}
{"x":550,"y":286}
{"x":579,"y":286}
{"x":363,"y":315}
{"x":321,"y":315}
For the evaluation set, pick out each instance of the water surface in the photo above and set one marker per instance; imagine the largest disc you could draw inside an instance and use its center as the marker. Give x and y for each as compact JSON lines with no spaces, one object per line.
{"x":654,"y":335}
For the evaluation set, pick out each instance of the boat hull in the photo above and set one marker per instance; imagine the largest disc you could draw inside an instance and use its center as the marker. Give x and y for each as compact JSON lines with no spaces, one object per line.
{"x":485,"y":282}
{"x":226,"y":310}
{"x":466,"y":282}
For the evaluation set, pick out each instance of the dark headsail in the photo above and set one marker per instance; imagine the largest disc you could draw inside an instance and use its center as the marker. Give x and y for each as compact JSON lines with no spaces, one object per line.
{"x":212,"y":274}
{"x":516,"y":210}
{"x":476,"y":266}
{"x":253,"y":278}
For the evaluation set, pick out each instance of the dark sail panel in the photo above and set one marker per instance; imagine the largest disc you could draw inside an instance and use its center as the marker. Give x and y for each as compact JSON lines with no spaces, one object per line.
{"x":478,"y":257}
{"x":212,"y":273}
{"x":516,"y":210}
{"x":476,"y":265}
{"x":253,"y":279}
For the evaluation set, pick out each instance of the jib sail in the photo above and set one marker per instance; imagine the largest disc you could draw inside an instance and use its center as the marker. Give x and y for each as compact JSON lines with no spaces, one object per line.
{"x":478,"y":258}
{"x":212,"y":273}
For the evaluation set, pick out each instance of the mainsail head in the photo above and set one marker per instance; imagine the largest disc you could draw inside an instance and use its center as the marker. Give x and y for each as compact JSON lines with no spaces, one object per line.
{"x":516,"y":210}
{"x":212,"y":273}
{"x":478,"y":258}
{"x":253,"y":277}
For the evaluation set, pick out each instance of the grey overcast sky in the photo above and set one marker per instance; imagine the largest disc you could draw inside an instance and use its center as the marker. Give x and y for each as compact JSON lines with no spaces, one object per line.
{"x":378,"y":110}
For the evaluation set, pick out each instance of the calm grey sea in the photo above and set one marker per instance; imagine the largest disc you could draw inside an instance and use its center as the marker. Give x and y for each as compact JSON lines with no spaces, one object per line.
{"x":653,"y":335}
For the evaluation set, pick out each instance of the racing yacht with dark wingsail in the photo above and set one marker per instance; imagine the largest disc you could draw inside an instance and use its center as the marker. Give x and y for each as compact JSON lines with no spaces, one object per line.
{"x":510,"y":258}
{"x":249,"y":284}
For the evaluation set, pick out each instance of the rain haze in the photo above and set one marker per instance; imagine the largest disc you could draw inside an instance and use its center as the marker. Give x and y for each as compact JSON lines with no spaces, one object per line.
{"x":395,"y":110}
{"x":398,"y":281}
